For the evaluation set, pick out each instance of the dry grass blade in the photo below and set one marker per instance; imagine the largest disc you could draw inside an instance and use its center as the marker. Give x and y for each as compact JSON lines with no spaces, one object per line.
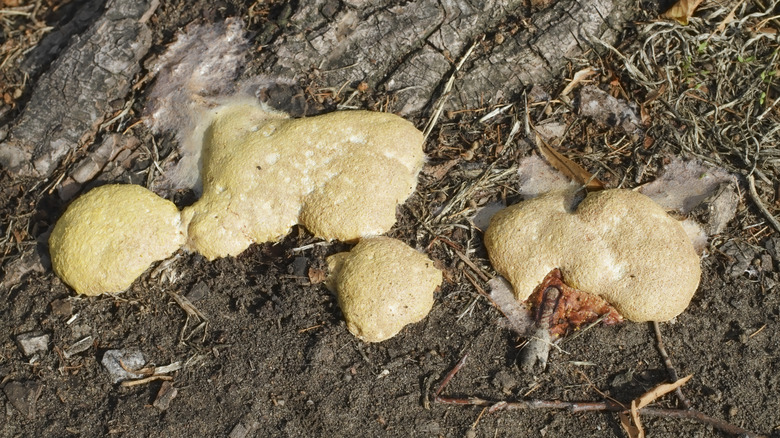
{"x":727,"y":100}
{"x":187,"y":306}
{"x":568,"y":167}
{"x":447,"y":88}
{"x":578,"y":78}
{"x":682,"y":11}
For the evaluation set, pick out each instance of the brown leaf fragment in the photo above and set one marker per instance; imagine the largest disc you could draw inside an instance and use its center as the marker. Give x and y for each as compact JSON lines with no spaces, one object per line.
{"x":631,"y":425}
{"x":729,"y":18}
{"x":24,"y":396}
{"x":630,"y":420}
{"x":578,"y":78}
{"x":682,"y":11}
{"x":568,"y":167}
{"x":317,"y":276}
{"x":438,"y":171}
{"x":659,"y":391}
{"x":165,"y":396}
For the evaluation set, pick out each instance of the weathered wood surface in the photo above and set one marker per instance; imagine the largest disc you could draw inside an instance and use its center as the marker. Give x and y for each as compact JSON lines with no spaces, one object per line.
{"x":408,"y":50}
{"x":80,"y":89}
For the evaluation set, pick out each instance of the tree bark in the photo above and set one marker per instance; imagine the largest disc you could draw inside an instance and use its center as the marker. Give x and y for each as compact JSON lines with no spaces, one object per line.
{"x":410,"y":50}
{"x":407,"y":50}
{"x":82,"y":86}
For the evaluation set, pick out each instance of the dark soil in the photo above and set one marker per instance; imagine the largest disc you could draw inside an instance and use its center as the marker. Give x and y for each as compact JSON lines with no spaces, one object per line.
{"x":274,"y":356}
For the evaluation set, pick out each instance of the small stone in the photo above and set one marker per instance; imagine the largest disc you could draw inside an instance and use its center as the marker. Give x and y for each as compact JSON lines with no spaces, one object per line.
{"x":62,"y":308}
{"x":198,"y":291}
{"x":772,"y":246}
{"x":78,"y":347}
{"x":80,"y":330}
{"x":23,"y":396}
{"x":429,"y":428}
{"x":766,"y":263}
{"x":622,"y":379}
{"x":118,"y":362}
{"x":323,"y":354}
{"x":299,"y":267}
{"x":164,"y":397}
{"x":33,"y":342}
{"x":504,"y":381}
{"x":740,"y":254}
{"x":239,"y":431}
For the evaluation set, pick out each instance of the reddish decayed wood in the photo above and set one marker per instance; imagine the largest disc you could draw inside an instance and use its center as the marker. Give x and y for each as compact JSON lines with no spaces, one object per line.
{"x":571,"y":307}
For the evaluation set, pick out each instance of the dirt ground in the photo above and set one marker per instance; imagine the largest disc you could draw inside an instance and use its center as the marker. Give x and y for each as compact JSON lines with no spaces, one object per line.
{"x":268,"y":352}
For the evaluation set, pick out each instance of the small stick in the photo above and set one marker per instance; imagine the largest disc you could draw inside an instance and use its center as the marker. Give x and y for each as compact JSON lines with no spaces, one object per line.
{"x":495,"y":405}
{"x":669,"y":367}
{"x":603,"y":406}
{"x":146,"y":380}
{"x":450,"y":375}
{"x":606,"y":406}
{"x":757,"y":200}
{"x":700,"y":418}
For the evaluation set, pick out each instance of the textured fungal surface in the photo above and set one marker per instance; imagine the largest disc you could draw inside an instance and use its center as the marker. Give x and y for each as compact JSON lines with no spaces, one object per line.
{"x":111,"y":235}
{"x":341,"y":175}
{"x":616,"y":244}
{"x":382,"y":285}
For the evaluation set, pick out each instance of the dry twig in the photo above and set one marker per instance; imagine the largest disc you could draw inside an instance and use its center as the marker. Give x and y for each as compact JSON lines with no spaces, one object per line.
{"x":757,"y":200}
{"x":669,"y":367}
{"x":145,"y":380}
{"x":581,"y":406}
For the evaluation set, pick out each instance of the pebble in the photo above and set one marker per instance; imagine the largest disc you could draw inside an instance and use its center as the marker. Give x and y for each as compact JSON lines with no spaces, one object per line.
{"x":23,"y":396}
{"x":198,"y":291}
{"x":165,"y":396}
{"x":33,"y":342}
{"x":113,"y":361}
{"x":79,"y":346}
{"x":62,"y":308}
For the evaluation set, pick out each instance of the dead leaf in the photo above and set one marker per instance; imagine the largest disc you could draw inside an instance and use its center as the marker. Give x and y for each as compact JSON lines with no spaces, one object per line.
{"x":644,"y":115}
{"x":659,"y":391}
{"x":630,"y":420}
{"x":19,"y":236}
{"x":682,"y":11}
{"x":578,"y":77}
{"x":729,"y":18}
{"x":438,"y":171}
{"x":653,"y":95}
{"x":317,"y":276}
{"x":634,"y":430}
{"x":568,"y":167}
